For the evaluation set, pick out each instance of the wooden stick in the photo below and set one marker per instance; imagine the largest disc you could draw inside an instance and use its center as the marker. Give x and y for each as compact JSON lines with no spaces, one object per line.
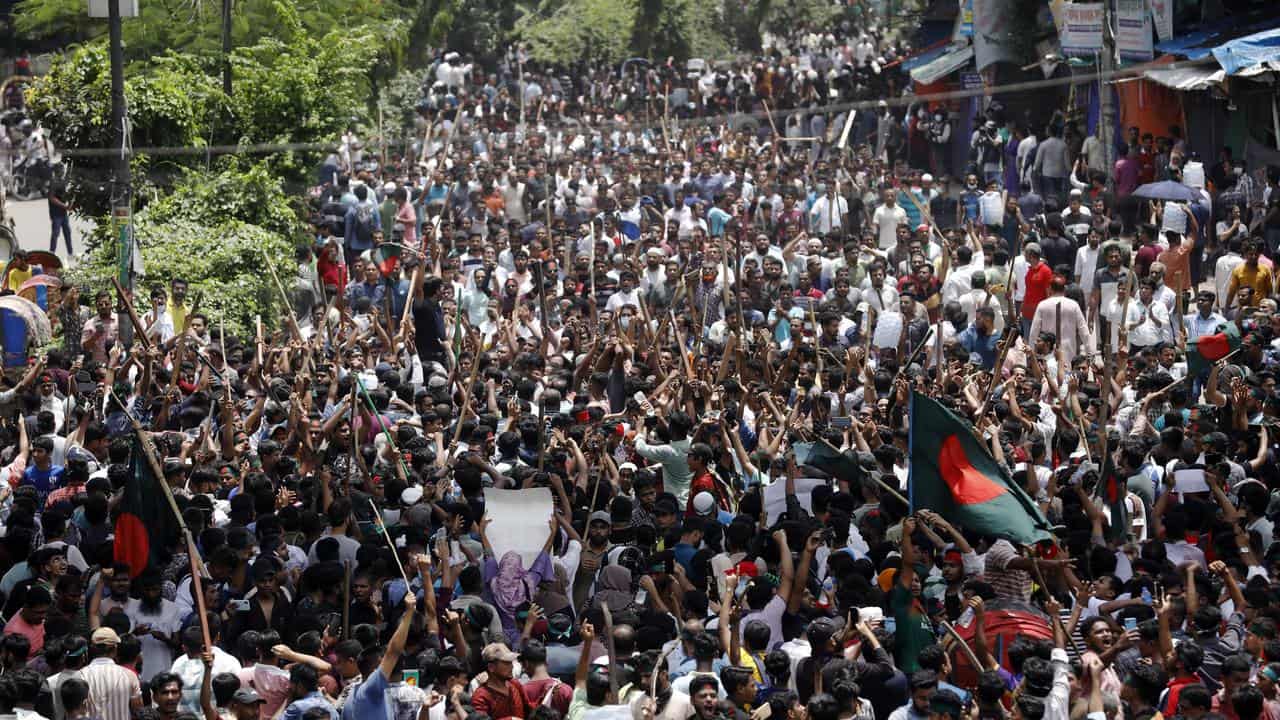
{"x":968,"y":651}
{"x":887,"y":487}
{"x":284,"y":297}
{"x":193,"y":555}
{"x":684,"y":353}
{"x":613,"y":655}
{"x":138,"y":328}
{"x":995,"y":371}
{"x":346,"y":599}
{"x":377,"y":520}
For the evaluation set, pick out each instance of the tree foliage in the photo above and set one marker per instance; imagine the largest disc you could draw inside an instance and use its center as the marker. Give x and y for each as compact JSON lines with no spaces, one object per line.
{"x":216,"y":229}
{"x":289,"y":88}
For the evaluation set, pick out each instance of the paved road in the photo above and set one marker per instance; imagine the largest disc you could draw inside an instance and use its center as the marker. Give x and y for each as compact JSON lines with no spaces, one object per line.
{"x":31,"y":220}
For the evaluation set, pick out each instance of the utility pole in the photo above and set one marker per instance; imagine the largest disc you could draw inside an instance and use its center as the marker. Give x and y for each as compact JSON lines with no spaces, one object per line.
{"x":1106,"y":96}
{"x":121,"y":193}
{"x":226,"y":47}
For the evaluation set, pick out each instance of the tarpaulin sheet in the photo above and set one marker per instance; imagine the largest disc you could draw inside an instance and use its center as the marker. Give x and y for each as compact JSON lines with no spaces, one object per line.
{"x":1248,"y":51}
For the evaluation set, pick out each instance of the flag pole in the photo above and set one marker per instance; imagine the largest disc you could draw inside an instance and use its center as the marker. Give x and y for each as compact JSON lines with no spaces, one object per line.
{"x":886,"y":486}
{"x":377,"y":520}
{"x":193,"y":557}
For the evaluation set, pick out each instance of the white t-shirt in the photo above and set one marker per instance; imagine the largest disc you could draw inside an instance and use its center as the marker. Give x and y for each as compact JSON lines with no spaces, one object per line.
{"x":887,"y":219}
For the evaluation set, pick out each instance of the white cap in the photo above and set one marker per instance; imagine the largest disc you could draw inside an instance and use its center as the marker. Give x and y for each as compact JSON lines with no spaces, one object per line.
{"x":703,"y":503}
{"x":926,"y":178}
{"x":411,"y":495}
{"x":389,"y":186}
{"x":627,"y":466}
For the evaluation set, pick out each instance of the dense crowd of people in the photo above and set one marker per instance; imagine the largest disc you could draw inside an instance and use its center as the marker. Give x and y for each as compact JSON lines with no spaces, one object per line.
{"x":590,"y":289}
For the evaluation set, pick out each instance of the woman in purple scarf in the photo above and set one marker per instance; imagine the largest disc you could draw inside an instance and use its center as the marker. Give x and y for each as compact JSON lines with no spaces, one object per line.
{"x":508,"y":584}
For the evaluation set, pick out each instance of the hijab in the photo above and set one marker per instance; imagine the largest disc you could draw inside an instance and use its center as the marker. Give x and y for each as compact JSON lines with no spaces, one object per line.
{"x":613,"y":588}
{"x":511,"y":585}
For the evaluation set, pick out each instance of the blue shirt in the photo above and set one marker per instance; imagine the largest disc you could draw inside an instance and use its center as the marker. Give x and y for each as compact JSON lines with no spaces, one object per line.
{"x":369,"y":701}
{"x":984,"y":345}
{"x":44,"y":481}
{"x":716,"y":220}
{"x":374,"y":291}
{"x":299,"y":707}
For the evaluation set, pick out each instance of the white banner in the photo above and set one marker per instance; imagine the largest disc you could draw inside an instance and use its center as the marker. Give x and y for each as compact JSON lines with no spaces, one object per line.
{"x":1080,"y":29}
{"x":519,"y":521}
{"x":775,"y":497}
{"x":1162,"y":14}
{"x":1133,"y":30}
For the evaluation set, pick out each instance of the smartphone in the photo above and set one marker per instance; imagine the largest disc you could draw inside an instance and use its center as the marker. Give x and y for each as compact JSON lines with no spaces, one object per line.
{"x":238,"y":605}
{"x":1130,"y":624}
{"x":842,"y":422}
{"x":890,"y":625}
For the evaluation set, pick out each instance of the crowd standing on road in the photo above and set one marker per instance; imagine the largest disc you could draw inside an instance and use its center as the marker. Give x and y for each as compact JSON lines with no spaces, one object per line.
{"x":648,"y":315}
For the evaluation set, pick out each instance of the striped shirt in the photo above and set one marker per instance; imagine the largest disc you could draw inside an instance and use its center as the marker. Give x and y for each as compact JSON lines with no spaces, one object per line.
{"x":111,"y":688}
{"x":1006,"y":581}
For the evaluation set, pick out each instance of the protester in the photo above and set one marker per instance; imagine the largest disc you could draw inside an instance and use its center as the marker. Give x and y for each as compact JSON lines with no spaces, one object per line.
{"x":798,"y":427}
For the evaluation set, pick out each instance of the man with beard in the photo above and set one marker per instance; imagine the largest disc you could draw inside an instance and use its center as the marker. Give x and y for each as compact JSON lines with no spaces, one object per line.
{"x":156,"y":622}
{"x":598,"y":529}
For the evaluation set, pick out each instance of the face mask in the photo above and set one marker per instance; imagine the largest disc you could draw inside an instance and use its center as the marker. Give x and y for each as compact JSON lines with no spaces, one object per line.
{"x":973,"y":186}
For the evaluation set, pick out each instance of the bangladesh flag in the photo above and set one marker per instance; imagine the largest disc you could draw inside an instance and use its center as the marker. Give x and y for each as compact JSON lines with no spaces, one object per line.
{"x":829,"y":460}
{"x":146,"y":524}
{"x":954,"y":475}
{"x":1209,"y":349}
{"x":387,"y":257}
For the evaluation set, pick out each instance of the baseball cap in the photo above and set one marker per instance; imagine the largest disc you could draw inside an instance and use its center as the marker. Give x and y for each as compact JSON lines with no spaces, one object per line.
{"x":104,"y":636}
{"x":600,"y":516}
{"x":497,"y":652}
{"x":821,"y":631}
{"x":247,"y":696}
{"x":704,"y":503}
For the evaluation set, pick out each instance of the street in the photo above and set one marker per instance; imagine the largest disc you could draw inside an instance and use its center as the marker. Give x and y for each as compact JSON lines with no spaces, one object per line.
{"x":31,"y":220}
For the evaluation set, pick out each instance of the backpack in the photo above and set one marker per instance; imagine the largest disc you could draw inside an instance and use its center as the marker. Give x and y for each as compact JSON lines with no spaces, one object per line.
{"x":365,"y":223}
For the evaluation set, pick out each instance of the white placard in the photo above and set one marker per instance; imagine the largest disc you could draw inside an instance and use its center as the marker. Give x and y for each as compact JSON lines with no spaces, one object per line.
{"x":775,"y":497}
{"x":1190,"y":480}
{"x":888,"y":330}
{"x":519,"y":521}
{"x":1133,"y":30}
{"x":1162,"y":15}
{"x":1080,"y":28}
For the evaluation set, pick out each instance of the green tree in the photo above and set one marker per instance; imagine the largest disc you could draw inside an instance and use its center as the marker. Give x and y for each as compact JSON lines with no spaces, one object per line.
{"x":216,"y":229}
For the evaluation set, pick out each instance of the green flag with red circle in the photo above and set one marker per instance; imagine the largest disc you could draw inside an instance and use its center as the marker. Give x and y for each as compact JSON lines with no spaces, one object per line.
{"x":145,"y":526}
{"x":954,"y":475}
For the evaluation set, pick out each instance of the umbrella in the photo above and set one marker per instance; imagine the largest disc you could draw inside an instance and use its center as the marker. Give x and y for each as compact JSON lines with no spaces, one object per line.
{"x":38,"y":327}
{"x":1167,"y":190}
{"x":38,"y":280}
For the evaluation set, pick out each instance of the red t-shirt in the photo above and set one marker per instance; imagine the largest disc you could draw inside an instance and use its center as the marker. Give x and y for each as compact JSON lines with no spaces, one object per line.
{"x":703,"y":483}
{"x":496,"y":705}
{"x":1038,"y":279}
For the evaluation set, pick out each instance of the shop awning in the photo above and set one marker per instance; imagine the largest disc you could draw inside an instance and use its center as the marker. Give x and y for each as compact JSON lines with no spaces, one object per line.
{"x":943,"y":65}
{"x":1198,"y":77}
{"x":1248,"y":51}
{"x":925,"y":56}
